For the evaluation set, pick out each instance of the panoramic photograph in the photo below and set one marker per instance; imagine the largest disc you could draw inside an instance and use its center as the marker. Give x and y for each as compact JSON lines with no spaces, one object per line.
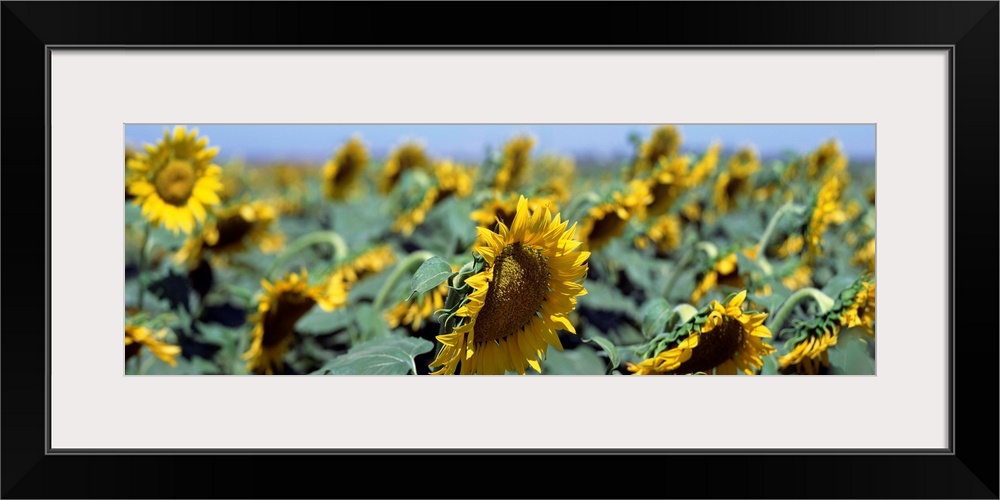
{"x":499,"y":249}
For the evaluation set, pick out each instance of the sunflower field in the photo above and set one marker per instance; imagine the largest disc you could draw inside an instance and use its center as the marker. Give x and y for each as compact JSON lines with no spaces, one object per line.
{"x":668,"y":261}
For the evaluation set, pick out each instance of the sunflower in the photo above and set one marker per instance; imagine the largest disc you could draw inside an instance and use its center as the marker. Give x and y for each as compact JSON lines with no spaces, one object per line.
{"x":723,"y":339}
{"x":532,"y":273}
{"x":410,"y":218}
{"x":504,"y":207}
{"x":405,"y":157}
{"x":800,"y":277}
{"x":515,"y":163}
{"x":367,"y":263}
{"x":130,"y":154}
{"x":136,"y":337}
{"x":854,"y":307}
{"x":826,"y":158}
{"x":664,"y":142}
{"x":735,"y":181}
{"x":343,"y":169}
{"x":705,"y":166}
{"x":791,"y":246}
{"x":281,"y":305}
{"x":234,"y":229}
{"x":826,"y":211}
{"x":607,"y":221}
{"x":452,"y":179}
{"x":175,"y":180}
{"x":665,"y":185}
{"x":665,"y":233}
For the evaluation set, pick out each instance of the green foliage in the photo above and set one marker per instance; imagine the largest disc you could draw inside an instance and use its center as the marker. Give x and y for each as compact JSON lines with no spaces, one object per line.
{"x":382,"y":356}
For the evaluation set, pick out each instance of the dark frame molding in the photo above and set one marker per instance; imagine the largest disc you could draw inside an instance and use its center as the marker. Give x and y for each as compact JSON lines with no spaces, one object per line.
{"x":968,"y":30}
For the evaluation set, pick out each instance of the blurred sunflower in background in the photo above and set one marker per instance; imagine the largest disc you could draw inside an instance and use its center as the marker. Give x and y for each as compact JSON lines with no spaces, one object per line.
{"x":281,"y":305}
{"x":234,"y":229}
{"x":723,"y":339}
{"x":826,"y":160}
{"x":341,"y":172}
{"x":825,"y":212}
{"x":513,"y":170}
{"x":664,"y":142}
{"x":532,"y":274}
{"x":137,"y":337}
{"x":175,"y":180}
{"x":410,"y":218}
{"x":735,"y":181}
{"x":452,"y":179}
{"x":664,"y":233}
{"x":607,"y":221}
{"x":409,"y":155}
{"x":665,"y":185}
{"x":705,"y":166}
{"x":369,"y":262}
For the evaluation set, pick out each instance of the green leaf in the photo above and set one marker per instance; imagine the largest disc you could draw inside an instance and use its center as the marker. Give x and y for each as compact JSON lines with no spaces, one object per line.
{"x":608,"y":348}
{"x":382,"y":356}
{"x":573,"y":362}
{"x":431,"y":273}
{"x":320,"y":322}
{"x":654,"y":317}
{"x":852,"y":355}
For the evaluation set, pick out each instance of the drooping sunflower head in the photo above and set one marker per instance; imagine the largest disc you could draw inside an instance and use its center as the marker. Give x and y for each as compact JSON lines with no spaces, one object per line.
{"x":826,"y":210}
{"x":810,"y":340}
{"x":452,"y":179}
{"x":411,"y":217}
{"x":137,"y":337}
{"x":529,"y":277}
{"x":665,"y":184}
{"x":718,"y":339}
{"x":858,"y":307}
{"x":341,"y":172}
{"x":607,"y":220}
{"x":664,"y":233}
{"x":234,"y":229}
{"x":409,"y":155}
{"x":281,"y":305}
{"x":174,"y":180}
{"x":516,"y":155}
{"x":369,"y":262}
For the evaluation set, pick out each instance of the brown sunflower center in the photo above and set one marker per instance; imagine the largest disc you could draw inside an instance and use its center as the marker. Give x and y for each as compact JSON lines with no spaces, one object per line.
{"x":715,"y":347}
{"x":663,"y":197}
{"x":520,"y":282}
{"x":605,"y":228}
{"x":279,"y":322}
{"x":231,"y":230}
{"x":175,"y":182}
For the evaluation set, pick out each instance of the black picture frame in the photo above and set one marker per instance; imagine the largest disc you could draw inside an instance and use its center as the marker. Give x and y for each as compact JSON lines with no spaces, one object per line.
{"x":969,"y":31}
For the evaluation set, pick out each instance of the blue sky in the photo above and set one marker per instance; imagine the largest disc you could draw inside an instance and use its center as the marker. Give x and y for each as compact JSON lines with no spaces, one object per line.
{"x":468,"y":142}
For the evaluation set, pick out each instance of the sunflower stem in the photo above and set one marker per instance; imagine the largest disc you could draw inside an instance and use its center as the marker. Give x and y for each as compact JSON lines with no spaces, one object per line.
{"x":685,"y":260}
{"x":304,"y":242}
{"x":765,"y":239}
{"x":406,"y":266}
{"x":822,"y":300}
{"x":142,"y":264}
